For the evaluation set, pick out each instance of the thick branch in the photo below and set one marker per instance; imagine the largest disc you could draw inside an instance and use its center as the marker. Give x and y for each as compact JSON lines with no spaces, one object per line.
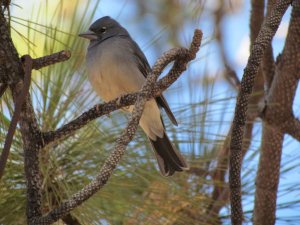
{"x":268,"y":64}
{"x":15,"y":118}
{"x":292,"y":127}
{"x":278,"y":113}
{"x":113,"y":160}
{"x":11,"y":73}
{"x":256,"y":21}
{"x":31,"y":143}
{"x":10,"y":69}
{"x":263,"y":40}
{"x":267,"y":178}
{"x":29,"y":64}
{"x":256,"y":18}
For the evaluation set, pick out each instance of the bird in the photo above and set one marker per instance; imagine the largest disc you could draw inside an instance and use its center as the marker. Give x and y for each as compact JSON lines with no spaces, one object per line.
{"x":117,"y":66}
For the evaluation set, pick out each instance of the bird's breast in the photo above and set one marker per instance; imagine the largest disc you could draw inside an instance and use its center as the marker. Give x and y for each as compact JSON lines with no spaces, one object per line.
{"x":112,"y":74}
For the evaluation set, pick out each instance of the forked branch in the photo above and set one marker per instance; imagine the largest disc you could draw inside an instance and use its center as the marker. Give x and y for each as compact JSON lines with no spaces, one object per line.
{"x":28,"y":65}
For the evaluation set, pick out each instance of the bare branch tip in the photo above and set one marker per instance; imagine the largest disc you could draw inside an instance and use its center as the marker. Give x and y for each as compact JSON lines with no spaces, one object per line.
{"x":48,"y":60}
{"x":198,"y":34}
{"x":67,"y":53}
{"x":196,"y":42}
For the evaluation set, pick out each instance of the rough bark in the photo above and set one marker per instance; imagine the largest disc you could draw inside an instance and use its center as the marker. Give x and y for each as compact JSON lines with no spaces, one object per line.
{"x":256,"y":21}
{"x":263,"y":40}
{"x":268,"y":64}
{"x":11,"y":73}
{"x":10,"y":67}
{"x":278,"y":112}
{"x":220,"y":192}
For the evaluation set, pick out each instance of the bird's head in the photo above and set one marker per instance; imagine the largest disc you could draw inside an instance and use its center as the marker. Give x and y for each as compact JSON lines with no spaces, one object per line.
{"x":104,"y":28}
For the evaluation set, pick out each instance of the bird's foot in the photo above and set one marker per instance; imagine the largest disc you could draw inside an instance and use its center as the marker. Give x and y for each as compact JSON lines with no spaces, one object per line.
{"x":119,"y":101}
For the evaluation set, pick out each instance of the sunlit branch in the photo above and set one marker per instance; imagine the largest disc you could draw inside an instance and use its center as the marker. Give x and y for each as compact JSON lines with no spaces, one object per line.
{"x":48,"y":60}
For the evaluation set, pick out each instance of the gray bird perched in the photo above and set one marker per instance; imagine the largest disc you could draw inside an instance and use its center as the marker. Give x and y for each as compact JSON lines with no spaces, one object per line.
{"x":117,"y":66}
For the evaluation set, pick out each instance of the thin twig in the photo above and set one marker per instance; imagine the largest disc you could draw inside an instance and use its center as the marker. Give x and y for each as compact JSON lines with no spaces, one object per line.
{"x":57,"y":57}
{"x":221,"y":189}
{"x":232,"y":77}
{"x":263,"y":40}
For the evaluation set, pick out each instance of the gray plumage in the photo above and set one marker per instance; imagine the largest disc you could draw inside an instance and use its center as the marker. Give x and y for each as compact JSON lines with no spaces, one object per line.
{"x":117,"y":66}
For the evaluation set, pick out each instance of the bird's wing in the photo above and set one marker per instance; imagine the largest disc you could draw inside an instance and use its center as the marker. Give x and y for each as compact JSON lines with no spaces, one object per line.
{"x":161,"y":101}
{"x":145,"y":69}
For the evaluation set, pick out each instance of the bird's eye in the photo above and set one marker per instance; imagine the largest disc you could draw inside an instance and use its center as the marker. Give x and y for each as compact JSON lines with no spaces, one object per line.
{"x":102,"y":29}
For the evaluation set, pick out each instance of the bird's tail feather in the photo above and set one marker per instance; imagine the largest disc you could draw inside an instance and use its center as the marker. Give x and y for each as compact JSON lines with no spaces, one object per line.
{"x":168,"y":158}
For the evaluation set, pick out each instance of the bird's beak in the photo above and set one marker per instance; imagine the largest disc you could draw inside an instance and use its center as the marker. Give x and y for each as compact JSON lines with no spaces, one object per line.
{"x":88,"y":35}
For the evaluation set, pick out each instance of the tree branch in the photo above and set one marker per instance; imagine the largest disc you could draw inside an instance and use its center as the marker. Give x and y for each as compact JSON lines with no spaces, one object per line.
{"x":263,"y":40}
{"x":128,"y":134}
{"x":10,"y":69}
{"x":292,"y":127}
{"x":268,"y":64}
{"x":278,"y":113}
{"x":15,"y":118}
{"x":29,"y":64}
{"x":256,"y":21}
{"x":48,"y":60}
{"x":268,"y":176}
{"x":220,"y":192}
{"x":31,"y":144}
